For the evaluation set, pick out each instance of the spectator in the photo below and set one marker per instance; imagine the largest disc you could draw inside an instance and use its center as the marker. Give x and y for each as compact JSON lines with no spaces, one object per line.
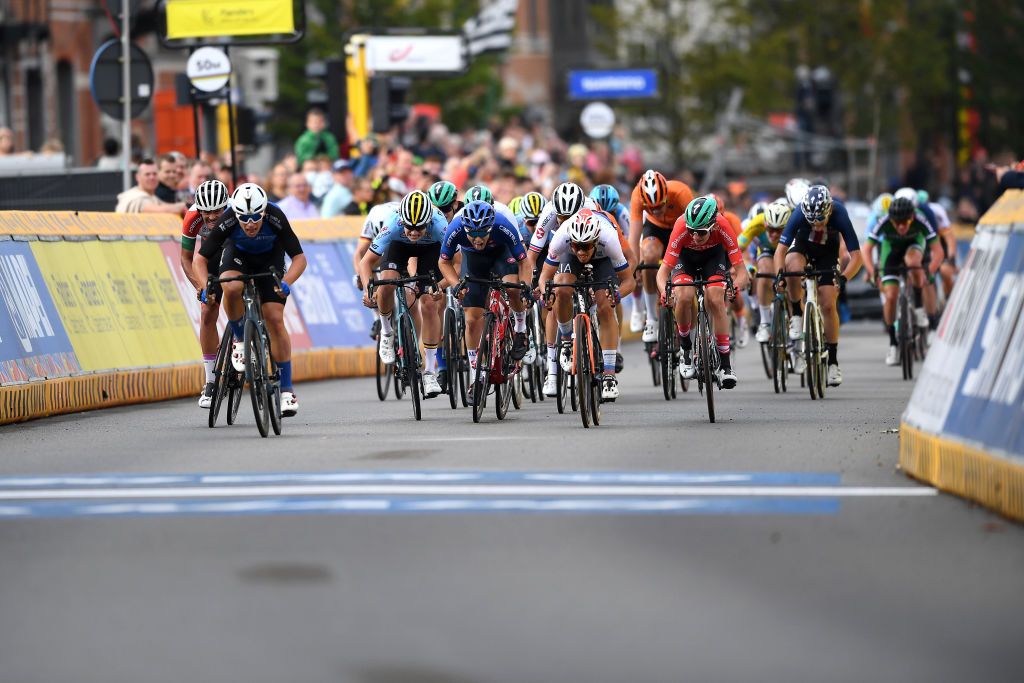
{"x":52,"y":146}
{"x":198,"y":174}
{"x":6,"y":142}
{"x":277,"y":184}
{"x":340,"y":194}
{"x":297,"y":204}
{"x":226,"y":174}
{"x":369,"y":148}
{"x":316,"y":140}
{"x":321,"y":179}
{"x":111,"y":159}
{"x":142,"y":198}
{"x":362,"y":198}
{"x":167,"y":176}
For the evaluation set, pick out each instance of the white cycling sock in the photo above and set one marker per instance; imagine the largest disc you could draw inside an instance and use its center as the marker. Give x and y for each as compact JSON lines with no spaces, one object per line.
{"x":552,"y":360}
{"x":651,"y":299}
{"x":766,"y":314}
{"x":472,"y":358}
{"x":209,"y":363}
{"x":429,"y":359}
{"x":609,"y":360}
{"x":565,"y":329}
{"x":520,"y":320}
{"x":386,"y":324}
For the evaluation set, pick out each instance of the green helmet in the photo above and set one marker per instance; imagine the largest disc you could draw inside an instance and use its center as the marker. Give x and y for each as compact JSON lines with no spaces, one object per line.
{"x":443,"y":194}
{"x":480,"y":193}
{"x":700,"y":213}
{"x":516,"y":205}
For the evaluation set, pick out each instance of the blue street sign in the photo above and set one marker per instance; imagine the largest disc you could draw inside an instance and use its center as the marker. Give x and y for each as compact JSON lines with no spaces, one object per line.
{"x":613,"y":84}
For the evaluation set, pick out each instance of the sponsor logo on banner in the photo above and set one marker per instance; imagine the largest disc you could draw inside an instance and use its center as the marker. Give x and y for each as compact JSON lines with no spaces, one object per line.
{"x":33,"y":343}
{"x":330,"y":305}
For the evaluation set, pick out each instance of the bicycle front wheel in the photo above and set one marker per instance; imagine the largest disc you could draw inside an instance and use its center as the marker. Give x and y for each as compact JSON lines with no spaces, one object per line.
{"x":906,"y":323}
{"x":584,"y":369}
{"x":482,"y":378}
{"x":383,"y":375}
{"x":596,"y":380}
{"x":410,"y":359}
{"x":451,"y":357}
{"x":223,"y":372}
{"x":666,"y":330}
{"x":256,"y":373}
{"x":706,"y":361}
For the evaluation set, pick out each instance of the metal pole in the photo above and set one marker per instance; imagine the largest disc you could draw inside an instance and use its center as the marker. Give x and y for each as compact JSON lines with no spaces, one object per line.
{"x":126,"y":97}
{"x":231,"y":133}
{"x":195,"y":121}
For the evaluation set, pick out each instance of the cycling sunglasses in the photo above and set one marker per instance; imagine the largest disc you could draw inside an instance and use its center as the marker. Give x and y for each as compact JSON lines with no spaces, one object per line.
{"x":478,"y":234}
{"x":699,"y":231}
{"x":249,"y":217}
{"x":582,"y":246}
{"x":412,"y":228}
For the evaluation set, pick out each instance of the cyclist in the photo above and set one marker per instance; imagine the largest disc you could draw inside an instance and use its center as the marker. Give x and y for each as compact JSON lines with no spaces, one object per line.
{"x":490,"y":244}
{"x":654,"y":207}
{"x":255,"y":235}
{"x":372,"y":226}
{"x":738,"y":304}
{"x":444,"y":195}
{"x":607,"y":198}
{"x":879,"y":210}
{"x":796,"y":188}
{"x":812,"y":236}
{"x":532,"y":207}
{"x":930,"y":291}
{"x":591,"y":238}
{"x":702,"y":246}
{"x":211,"y":198}
{"x":947,"y":237}
{"x":415,"y":230}
{"x":903,"y":237}
{"x":765,"y":228}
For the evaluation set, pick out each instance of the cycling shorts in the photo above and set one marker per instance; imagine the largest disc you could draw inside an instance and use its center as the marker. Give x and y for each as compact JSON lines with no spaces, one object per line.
{"x":397,"y":256}
{"x":484,"y":266}
{"x":820,"y":256}
{"x":706,"y":264}
{"x":603,"y":270}
{"x":892,"y":257}
{"x":233,"y":259}
{"x":663,"y":235}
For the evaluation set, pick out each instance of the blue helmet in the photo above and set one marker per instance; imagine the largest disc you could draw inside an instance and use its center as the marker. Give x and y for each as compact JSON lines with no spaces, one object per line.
{"x":607,"y":197}
{"x":478,"y":216}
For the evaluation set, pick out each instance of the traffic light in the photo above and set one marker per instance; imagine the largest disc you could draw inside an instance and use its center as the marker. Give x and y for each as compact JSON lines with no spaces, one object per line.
{"x":332,"y":98}
{"x":387,"y":101}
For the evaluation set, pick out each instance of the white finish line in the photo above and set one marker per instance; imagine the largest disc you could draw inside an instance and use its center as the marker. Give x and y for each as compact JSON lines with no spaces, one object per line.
{"x":461,"y":490}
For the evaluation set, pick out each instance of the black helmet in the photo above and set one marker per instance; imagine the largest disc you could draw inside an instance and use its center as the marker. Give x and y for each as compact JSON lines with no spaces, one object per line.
{"x":901,"y":209}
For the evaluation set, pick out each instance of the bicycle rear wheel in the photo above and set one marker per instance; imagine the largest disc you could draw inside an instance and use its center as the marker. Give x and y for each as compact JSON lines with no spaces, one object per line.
{"x":256,"y":374}
{"x":777,"y":346}
{"x":503,"y":390}
{"x":463,"y":360}
{"x":410,"y":359}
{"x":652,"y":351}
{"x":222,"y":372}
{"x":597,"y":379}
{"x":584,"y":371}
{"x":704,"y":342}
{"x":906,"y":325}
{"x":273,"y":387}
{"x":482,"y":378}
{"x":666,"y":350}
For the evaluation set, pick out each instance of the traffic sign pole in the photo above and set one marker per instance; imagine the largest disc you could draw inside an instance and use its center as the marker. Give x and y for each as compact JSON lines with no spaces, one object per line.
{"x":126,"y":95}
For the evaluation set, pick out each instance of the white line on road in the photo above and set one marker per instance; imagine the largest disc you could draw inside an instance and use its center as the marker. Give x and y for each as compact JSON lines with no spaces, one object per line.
{"x":472,"y":490}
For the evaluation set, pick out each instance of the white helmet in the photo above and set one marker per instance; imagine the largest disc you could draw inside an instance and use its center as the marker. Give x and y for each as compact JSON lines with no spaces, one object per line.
{"x":585,"y":227}
{"x":796,"y":188}
{"x":211,"y":195}
{"x":757,"y":209}
{"x":567,"y":199}
{"x":248,"y":199}
{"x":906,"y":193}
{"x":776,"y":214}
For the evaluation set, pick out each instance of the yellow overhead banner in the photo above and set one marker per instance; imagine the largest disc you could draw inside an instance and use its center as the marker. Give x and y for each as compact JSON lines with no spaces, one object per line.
{"x":213,"y":18}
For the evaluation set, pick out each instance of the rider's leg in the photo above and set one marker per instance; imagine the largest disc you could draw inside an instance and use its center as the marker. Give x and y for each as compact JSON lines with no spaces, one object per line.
{"x":280,"y":342}
{"x":714,"y":299}
{"x":651,"y":251}
{"x":827,"y":297}
{"x":609,"y":330}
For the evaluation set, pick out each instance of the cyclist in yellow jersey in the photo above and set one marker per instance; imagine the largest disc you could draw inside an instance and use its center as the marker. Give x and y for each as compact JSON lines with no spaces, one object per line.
{"x":758,"y":242}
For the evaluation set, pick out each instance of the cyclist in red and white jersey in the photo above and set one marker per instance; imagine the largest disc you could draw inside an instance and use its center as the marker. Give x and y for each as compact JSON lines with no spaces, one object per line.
{"x":211,"y":200}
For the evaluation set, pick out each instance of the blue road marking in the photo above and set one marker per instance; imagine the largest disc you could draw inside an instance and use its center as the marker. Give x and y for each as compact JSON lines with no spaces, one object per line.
{"x":419,"y":505}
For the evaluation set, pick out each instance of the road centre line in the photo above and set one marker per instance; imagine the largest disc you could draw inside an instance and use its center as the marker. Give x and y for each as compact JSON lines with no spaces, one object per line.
{"x":470,"y":490}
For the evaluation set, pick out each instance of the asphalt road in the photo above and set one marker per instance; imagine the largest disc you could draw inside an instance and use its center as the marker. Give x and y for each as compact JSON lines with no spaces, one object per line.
{"x":780,"y":544}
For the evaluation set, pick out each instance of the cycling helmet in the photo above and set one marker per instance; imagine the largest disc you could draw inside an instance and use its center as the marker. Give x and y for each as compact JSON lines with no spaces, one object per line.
{"x":653,"y":189}
{"x":516,"y":205}
{"x":901,"y":210}
{"x":922,"y":197}
{"x":796,"y":188}
{"x":777,"y":214}
{"x":757,"y":209}
{"x":211,"y":195}
{"x":248,"y":199}
{"x":568,"y":199}
{"x":881,"y":204}
{"x":478,"y":216}
{"x":533,"y":204}
{"x":907,"y":192}
{"x":443,"y":194}
{"x":607,"y":197}
{"x":415,"y":210}
{"x":817,"y":204}
{"x":701,"y":212}
{"x":585,"y":228}
{"x":479,"y":192}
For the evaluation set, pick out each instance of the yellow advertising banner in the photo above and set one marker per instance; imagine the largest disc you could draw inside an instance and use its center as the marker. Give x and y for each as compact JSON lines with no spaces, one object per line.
{"x":211,"y":18}
{"x":118,"y":303}
{"x":75,"y":223}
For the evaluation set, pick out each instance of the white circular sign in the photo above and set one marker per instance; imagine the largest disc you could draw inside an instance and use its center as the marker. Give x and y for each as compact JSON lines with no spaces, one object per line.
{"x":208,"y":69}
{"x":597,"y":119}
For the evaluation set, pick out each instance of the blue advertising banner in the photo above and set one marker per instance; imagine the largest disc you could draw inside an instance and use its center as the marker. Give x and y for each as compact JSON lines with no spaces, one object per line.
{"x":331,"y":306}
{"x":610,"y":84}
{"x":33,"y":343}
{"x":988,"y":407}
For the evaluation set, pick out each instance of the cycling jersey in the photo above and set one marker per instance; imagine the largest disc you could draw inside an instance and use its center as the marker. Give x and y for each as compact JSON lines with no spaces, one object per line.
{"x":193,"y":226}
{"x":504,"y":237}
{"x":682,"y":239}
{"x":547,"y":223}
{"x":394,"y":232}
{"x":621,"y":216}
{"x":941,"y":217}
{"x":274,"y":230}
{"x":679,"y":195}
{"x":799,"y":230}
{"x":609,"y":246}
{"x":376,"y":219}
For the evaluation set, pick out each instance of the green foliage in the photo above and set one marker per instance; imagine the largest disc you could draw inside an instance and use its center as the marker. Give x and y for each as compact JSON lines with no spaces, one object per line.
{"x":459,"y":97}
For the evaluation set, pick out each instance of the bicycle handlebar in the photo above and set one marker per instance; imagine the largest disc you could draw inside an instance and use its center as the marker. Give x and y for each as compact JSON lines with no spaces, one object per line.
{"x":250,"y":276}
{"x":402,"y":281}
